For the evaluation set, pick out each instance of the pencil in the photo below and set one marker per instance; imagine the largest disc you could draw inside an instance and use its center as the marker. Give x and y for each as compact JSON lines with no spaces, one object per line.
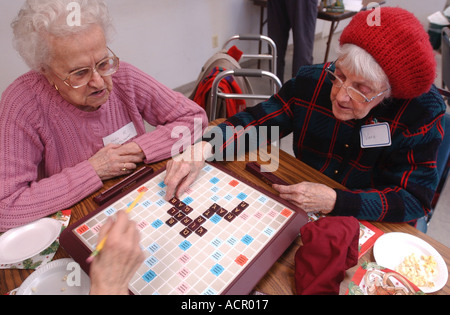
{"x":103,"y":241}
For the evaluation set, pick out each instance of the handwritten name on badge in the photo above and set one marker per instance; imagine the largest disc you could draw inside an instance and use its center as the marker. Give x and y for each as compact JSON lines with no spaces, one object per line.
{"x":122,"y":135}
{"x":375,"y":135}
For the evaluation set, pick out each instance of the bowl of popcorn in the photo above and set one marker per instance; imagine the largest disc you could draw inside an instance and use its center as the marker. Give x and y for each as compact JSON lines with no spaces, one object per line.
{"x":413,"y":258}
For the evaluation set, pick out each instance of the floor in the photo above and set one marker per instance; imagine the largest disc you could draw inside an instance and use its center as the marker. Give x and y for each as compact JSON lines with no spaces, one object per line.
{"x":439,"y":227}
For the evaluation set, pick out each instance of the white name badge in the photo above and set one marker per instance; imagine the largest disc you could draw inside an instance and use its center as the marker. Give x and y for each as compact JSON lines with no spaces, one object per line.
{"x":122,"y":135}
{"x":375,"y":135}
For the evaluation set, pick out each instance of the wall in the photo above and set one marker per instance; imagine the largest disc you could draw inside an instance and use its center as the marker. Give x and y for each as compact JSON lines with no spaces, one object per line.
{"x":172,"y":39}
{"x":168,"y":39}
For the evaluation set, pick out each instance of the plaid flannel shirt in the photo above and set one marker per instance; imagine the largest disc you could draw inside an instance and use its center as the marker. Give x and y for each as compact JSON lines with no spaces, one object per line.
{"x":391,"y":184}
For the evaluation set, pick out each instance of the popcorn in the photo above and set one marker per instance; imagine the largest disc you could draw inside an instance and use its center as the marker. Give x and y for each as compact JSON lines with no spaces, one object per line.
{"x":419,"y":270}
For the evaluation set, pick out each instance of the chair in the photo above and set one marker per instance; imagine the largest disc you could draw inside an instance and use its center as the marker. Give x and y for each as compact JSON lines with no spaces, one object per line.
{"x":216,"y":94}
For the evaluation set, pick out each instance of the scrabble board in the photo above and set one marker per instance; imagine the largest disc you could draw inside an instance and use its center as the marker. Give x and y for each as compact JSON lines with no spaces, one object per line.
{"x":221,"y":237}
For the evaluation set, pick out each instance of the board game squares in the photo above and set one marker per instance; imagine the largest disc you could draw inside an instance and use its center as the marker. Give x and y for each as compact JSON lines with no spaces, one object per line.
{"x":217,"y":256}
{"x":183,"y":288}
{"x":247,"y":239}
{"x":82,"y":229}
{"x":149,"y":276}
{"x":142,"y":189}
{"x":184,"y":259}
{"x":215,"y":218}
{"x":232,"y":241}
{"x":217,"y":270}
{"x":162,"y":184}
{"x":153,"y":248}
{"x":216,"y":242}
{"x":158,"y":223}
{"x":188,"y":200}
{"x":241,"y":196}
{"x":183,"y":273}
{"x":110,"y":211}
{"x":185,"y":245}
{"x":142,"y":225}
{"x":146,"y":203}
{"x":209,"y":291}
{"x":151,"y":261}
{"x":241,"y":260}
{"x":233,"y":183}
{"x":286,"y":213}
{"x":214,"y":180}
{"x":268,"y":231}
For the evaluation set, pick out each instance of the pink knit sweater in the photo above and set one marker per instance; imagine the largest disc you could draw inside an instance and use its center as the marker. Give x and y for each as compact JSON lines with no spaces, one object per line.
{"x":45,"y":142}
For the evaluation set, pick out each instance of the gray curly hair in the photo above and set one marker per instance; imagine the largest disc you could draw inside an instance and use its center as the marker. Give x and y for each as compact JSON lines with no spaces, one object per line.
{"x":39,"y":19}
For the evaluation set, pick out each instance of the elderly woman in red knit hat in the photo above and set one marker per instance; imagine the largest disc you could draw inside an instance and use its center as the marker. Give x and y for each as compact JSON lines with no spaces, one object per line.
{"x":371,"y":120}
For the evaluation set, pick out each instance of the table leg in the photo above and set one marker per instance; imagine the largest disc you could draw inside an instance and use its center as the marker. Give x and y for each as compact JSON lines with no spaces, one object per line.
{"x":333,"y":27}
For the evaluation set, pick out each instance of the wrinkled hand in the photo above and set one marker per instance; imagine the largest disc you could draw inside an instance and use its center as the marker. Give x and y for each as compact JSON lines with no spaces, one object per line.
{"x":113,"y":268}
{"x":116,"y":160}
{"x":183,"y":170}
{"x":310,"y":197}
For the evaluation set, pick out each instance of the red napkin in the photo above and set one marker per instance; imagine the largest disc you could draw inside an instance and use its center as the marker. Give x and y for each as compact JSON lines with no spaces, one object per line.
{"x":330,"y":247}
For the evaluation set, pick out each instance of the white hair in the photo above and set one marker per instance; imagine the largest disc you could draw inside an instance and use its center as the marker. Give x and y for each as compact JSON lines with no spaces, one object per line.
{"x":362,"y":64}
{"x":39,"y":19}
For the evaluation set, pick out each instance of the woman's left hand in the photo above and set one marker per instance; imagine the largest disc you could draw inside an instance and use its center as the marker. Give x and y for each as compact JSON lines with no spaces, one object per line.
{"x":310,"y":197}
{"x":116,"y":160}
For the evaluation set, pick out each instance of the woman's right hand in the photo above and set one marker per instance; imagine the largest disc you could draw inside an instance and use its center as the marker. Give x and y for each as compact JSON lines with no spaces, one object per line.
{"x":183,"y":170}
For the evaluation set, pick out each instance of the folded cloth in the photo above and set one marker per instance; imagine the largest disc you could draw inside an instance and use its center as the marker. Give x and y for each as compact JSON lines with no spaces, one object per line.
{"x":330,"y":247}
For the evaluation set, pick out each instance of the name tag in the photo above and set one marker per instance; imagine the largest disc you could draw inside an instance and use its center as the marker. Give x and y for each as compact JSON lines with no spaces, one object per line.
{"x":122,"y":135}
{"x":375,"y":135}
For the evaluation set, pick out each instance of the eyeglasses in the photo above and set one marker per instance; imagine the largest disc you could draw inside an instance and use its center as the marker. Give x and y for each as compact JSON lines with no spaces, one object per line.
{"x":351,"y":91}
{"x":81,"y":77}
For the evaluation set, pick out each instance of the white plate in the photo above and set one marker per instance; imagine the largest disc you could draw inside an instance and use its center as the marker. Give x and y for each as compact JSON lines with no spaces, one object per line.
{"x":392,"y":248}
{"x":25,"y":242}
{"x":55,"y":279}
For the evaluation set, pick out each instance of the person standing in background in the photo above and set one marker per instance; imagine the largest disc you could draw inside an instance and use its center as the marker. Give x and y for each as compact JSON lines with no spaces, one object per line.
{"x":300,"y":16}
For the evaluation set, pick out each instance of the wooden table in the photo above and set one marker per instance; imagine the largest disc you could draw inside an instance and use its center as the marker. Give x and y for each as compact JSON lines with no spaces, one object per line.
{"x":280,"y":279}
{"x":332,"y":17}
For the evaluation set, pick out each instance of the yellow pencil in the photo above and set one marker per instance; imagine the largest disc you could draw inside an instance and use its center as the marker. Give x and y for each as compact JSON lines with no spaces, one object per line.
{"x":103,"y":241}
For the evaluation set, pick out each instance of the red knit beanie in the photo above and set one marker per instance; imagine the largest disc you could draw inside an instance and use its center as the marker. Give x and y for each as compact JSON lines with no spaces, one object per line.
{"x":399,"y":44}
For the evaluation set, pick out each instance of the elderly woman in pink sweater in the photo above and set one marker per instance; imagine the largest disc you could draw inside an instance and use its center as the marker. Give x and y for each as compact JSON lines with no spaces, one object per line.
{"x":77,"y":118}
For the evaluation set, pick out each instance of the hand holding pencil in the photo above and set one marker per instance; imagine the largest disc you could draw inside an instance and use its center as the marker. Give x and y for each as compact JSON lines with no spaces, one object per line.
{"x":102,"y":242}
{"x":121,"y":255}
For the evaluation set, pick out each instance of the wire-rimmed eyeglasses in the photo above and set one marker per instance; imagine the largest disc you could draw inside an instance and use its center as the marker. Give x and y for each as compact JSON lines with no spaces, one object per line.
{"x":351,"y":91}
{"x":81,"y":77}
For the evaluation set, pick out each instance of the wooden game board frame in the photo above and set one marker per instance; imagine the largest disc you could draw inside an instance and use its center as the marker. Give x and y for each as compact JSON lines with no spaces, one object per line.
{"x":244,"y":283}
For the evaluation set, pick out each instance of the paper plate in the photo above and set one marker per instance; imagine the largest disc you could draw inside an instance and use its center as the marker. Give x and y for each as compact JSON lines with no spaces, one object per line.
{"x":60,"y":277}
{"x":392,"y":248}
{"x":24,"y":242}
